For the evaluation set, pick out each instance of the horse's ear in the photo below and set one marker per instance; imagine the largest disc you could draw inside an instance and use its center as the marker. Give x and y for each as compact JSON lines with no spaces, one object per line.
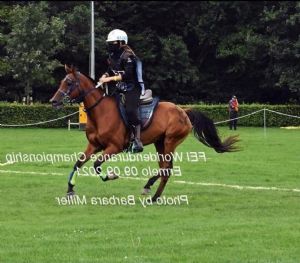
{"x":73,"y":68}
{"x":68,"y":69}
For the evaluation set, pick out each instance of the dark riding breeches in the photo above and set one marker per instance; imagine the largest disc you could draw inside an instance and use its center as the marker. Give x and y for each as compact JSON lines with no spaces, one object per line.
{"x":132,"y":98}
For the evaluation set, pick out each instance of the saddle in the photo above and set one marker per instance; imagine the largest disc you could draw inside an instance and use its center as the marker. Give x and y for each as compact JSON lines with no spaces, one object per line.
{"x":146,"y":109}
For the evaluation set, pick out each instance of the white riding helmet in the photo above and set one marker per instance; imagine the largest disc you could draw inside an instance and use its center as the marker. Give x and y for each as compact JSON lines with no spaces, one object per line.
{"x":117,"y":35}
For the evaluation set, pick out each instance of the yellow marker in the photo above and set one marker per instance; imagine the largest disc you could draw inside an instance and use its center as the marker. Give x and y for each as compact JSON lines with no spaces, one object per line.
{"x":82,"y":117}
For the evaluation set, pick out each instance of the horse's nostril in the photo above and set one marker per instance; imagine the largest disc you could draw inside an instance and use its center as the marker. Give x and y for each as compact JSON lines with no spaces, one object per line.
{"x":54,"y":102}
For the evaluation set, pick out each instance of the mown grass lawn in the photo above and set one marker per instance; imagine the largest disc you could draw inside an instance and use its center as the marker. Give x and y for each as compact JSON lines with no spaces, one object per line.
{"x":219,"y":224}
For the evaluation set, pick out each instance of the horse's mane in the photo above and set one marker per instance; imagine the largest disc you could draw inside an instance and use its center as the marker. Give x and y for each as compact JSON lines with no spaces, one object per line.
{"x":89,"y":78}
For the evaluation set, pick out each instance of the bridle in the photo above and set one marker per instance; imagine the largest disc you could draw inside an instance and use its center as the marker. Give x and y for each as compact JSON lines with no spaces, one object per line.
{"x":74,"y":84}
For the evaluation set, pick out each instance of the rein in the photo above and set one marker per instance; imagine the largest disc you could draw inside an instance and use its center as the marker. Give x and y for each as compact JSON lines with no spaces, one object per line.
{"x":88,"y":110}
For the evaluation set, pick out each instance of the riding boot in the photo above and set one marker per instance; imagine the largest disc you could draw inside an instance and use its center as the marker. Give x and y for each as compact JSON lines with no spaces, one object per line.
{"x":137,"y":144}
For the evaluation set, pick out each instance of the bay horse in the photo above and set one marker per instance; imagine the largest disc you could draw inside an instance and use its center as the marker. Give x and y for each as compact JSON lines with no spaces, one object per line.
{"x":106,"y":131}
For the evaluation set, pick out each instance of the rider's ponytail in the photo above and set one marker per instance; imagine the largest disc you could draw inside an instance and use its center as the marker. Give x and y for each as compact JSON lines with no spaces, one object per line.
{"x":128,"y":49}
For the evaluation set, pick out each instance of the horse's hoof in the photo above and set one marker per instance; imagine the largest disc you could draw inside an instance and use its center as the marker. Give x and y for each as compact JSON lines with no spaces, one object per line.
{"x":112,"y":176}
{"x":71,"y":194}
{"x":146,"y":191}
{"x":104,"y":179}
{"x":153,"y":199}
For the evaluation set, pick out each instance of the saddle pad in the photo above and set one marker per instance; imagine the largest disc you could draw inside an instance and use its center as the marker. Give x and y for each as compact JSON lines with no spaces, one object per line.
{"x":145,"y":112}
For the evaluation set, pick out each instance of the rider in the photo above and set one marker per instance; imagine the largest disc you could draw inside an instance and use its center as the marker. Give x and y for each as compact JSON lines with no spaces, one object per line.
{"x":122,"y":70}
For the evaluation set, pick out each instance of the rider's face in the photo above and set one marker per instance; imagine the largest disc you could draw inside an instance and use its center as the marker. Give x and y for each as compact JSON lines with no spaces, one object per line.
{"x":113,"y":47}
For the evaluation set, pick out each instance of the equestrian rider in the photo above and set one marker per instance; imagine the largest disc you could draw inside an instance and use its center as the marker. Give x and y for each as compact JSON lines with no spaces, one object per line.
{"x":122,"y":70}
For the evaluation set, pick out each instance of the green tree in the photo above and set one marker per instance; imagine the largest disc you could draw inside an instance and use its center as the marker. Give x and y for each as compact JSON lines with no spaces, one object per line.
{"x":4,"y":65}
{"x":77,"y":18}
{"x":32,"y":43}
{"x":282,"y":23}
{"x":191,"y":51}
{"x":260,"y":50}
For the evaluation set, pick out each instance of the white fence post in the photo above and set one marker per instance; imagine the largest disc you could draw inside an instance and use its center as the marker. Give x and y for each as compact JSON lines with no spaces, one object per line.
{"x":265,"y":124}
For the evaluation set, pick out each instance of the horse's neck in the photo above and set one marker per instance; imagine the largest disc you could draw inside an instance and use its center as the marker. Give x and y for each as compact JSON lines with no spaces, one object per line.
{"x":105,"y":116}
{"x":92,"y":95}
{"x":101,"y":105}
{"x":92,"y":99}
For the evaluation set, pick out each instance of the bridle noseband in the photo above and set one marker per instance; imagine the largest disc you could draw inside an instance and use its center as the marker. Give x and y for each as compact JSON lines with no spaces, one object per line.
{"x":72,"y":85}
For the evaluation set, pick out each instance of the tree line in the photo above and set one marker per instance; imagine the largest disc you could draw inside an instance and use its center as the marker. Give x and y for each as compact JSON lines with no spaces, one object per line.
{"x":192,"y":52}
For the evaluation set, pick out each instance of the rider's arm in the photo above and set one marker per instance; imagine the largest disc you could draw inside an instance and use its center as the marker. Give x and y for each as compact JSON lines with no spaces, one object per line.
{"x":129,"y":73}
{"x":114,"y":78}
{"x":126,"y":75}
{"x":105,"y":75}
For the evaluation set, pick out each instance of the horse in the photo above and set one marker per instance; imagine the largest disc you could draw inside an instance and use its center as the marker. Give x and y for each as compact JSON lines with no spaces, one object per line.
{"x":107,"y":132}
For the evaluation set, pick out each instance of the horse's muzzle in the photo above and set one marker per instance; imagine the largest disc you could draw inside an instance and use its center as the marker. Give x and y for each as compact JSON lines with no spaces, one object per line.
{"x":56,"y":104}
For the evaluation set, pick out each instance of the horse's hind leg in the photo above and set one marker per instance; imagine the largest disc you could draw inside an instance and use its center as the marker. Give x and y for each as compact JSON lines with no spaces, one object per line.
{"x":164,"y":177}
{"x":165,"y":167}
{"x":170,"y":144}
{"x":81,"y":161}
{"x":151,"y":181}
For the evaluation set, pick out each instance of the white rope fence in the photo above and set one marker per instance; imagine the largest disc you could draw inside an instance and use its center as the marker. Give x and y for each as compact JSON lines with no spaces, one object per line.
{"x":37,"y":123}
{"x":252,"y":113}
{"x":265,"y":117}
{"x":244,"y":116}
{"x":219,"y":122}
{"x":284,"y":114}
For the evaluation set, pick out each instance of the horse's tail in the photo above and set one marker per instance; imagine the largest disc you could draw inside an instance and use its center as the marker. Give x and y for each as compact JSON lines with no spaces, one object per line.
{"x":205,"y":131}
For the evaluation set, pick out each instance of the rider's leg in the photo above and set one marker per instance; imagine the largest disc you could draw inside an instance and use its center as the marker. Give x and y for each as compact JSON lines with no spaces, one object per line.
{"x":137,"y":144}
{"x":131,"y":105}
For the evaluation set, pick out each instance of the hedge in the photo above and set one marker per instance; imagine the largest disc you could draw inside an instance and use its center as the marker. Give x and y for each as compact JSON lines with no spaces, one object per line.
{"x":23,"y":114}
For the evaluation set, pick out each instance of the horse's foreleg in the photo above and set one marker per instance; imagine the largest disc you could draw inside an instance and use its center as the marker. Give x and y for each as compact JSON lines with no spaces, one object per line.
{"x":107,"y":153}
{"x":81,"y":161}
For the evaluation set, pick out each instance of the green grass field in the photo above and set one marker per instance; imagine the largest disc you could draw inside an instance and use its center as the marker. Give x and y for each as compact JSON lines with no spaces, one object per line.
{"x":219,"y":224}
